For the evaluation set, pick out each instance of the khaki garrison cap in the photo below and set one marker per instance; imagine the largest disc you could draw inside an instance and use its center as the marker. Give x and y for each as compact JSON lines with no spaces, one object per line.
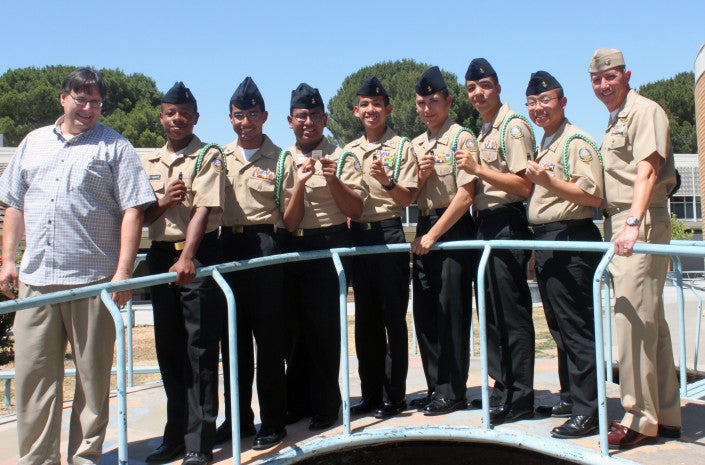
{"x":604,"y":59}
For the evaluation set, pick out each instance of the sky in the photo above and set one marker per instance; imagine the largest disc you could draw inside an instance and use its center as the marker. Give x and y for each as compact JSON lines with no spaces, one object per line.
{"x":213,"y":45}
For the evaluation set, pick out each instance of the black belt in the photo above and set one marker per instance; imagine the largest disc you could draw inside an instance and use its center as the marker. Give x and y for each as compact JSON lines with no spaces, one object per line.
{"x":375,"y":225}
{"x":506,"y":209}
{"x":559,"y":225}
{"x":177,"y":246}
{"x":301,"y":232}
{"x":248,"y":229}
{"x":432,"y":212}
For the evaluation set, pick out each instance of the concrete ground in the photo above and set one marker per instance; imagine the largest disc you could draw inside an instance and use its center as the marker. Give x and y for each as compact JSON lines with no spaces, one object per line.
{"x":146,"y":413}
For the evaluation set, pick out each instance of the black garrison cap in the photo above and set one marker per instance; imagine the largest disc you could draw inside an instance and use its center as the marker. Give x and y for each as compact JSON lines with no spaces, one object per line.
{"x":540,"y":82}
{"x":372,"y":88}
{"x":247,"y":95}
{"x":479,"y":68}
{"x":430,"y":82}
{"x":305,"y":96}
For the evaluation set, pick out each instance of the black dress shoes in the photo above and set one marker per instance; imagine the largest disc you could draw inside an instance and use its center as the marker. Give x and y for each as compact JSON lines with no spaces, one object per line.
{"x":495,"y":401}
{"x":320,"y":422}
{"x":389,"y":409}
{"x":577,"y":427}
{"x":364,"y":406}
{"x":267,"y":439}
{"x":165,"y":453}
{"x":561,"y":409}
{"x":509,"y":413}
{"x":421,"y":402}
{"x":197,"y":458}
{"x":671,"y":432}
{"x":441,"y":406}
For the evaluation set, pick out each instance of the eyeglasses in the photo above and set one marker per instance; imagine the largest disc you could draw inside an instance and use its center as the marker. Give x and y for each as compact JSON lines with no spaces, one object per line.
{"x":253,"y":116}
{"x":315,"y":117}
{"x":543,"y":101}
{"x":81,"y":102}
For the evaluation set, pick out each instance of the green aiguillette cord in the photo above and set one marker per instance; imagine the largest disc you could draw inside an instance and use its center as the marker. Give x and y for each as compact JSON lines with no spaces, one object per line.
{"x":202,"y":153}
{"x":564,"y":157}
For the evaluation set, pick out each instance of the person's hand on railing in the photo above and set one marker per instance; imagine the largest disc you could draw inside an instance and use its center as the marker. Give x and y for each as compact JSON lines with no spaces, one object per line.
{"x":9,"y":278}
{"x":185,"y":270}
{"x":121,"y":297}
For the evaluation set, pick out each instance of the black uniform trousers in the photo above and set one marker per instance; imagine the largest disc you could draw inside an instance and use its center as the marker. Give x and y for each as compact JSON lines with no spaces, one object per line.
{"x":260,"y":313}
{"x":313,"y":315}
{"x":510,"y":327}
{"x":565,"y":283}
{"x":442,"y":284}
{"x":381,"y":286}
{"x":187,"y":325}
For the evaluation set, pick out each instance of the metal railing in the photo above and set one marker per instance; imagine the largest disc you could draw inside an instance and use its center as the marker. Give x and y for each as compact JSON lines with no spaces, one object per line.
{"x":555,"y":448}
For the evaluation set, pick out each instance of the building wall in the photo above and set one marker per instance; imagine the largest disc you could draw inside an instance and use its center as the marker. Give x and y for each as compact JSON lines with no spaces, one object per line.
{"x":700,"y":114}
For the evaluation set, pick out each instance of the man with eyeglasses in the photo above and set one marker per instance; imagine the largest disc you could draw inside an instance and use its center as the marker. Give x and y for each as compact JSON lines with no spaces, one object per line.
{"x":442,"y":279}
{"x":568,"y":185}
{"x":250,"y":218}
{"x":78,"y":190}
{"x":639,"y":176}
{"x":381,"y":282}
{"x":506,"y":142}
{"x":333,"y":194}
{"x":188,"y":179}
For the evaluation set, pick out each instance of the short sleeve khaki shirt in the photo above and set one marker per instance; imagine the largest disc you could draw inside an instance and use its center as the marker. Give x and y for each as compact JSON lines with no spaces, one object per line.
{"x":205,"y":188}
{"x":519,"y":143}
{"x":585,"y":171}
{"x":442,"y":185}
{"x":380,"y":205}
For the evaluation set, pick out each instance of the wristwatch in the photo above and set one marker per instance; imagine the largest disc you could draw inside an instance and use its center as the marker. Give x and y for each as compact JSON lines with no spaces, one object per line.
{"x":633,"y":221}
{"x":392,"y":184}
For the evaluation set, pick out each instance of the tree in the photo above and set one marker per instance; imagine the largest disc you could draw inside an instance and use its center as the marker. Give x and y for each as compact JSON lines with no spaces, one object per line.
{"x":677,"y":96}
{"x":29,"y":99}
{"x":398,"y":78}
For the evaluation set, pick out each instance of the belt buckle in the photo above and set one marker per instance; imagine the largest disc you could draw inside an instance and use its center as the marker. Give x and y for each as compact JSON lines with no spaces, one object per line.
{"x":425,"y":211}
{"x":299,"y":232}
{"x":238,"y":229}
{"x":179,"y":245}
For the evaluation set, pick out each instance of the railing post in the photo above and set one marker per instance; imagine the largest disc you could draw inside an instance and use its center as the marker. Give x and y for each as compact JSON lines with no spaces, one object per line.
{"x":600,"y":352}
{"x":121,"y":375}
{"x":234,"y":376}
{"x":344,"y":362}
{"x":482,"y":326}
{"x":130,"y":361}
{"x":681,"y":325}
{"x":608,"y":324}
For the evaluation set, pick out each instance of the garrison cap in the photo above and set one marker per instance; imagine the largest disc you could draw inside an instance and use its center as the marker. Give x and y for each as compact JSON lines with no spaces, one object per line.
{"x":247,"y":95}
{"x":540,"y":82}
{"x":305,"y":96}
{"x":179,"y":93}
{"x":604,"y":59}
{"x":479,"y":68}
{"x":430,"y":82}
{"x":371,"y":87}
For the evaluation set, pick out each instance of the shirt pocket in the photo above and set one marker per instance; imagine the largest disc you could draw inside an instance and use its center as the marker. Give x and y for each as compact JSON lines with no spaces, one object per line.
{"x":260,"y":191}
{"x":490,"y":157}
{"x":94,"y":179}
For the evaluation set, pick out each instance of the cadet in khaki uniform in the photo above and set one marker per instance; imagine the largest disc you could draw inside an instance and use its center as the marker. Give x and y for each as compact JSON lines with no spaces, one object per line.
{"x":639,"y":175}
{"x":442,"y":279}
{"x":183,"y":227}
{"x":312,"y":286}
{"x":381,"y":282}
{"x":568,"y":185}
{"x":506,"y":142}
{"x":249,"y":219}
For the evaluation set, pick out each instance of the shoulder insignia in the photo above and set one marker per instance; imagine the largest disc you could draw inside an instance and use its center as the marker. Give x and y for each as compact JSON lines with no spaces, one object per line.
{"x":470,"y":145}
{"x":585,"y":155}
{"x":218,"y":165}
{"x":516,"y":132}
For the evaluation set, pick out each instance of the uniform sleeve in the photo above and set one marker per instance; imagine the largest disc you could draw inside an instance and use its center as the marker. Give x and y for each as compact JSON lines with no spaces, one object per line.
{"x":467,"y":142}
{"x":351,"y":175}
{"x":585,"y":168}
{"x":649,"y":126}
{"x":519,"y":142}
{"x":409,"y":170}
{"x":209,"y":183}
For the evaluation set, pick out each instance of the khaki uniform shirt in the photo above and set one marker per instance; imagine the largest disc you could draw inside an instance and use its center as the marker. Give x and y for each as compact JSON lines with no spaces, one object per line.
{"x":585,"y":171}
{"x":203,"y":189}
{"x":640,"y":129}
{"x":519,"y":143}
{"x":442,"y":184}
{"x":320,"y":209}
{"x":380,"y":205}
{"x":250,"y":189}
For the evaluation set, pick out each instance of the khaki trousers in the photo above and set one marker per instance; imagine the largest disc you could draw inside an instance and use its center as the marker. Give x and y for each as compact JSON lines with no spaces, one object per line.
{"x":647,"y":376}
{"x":41,"y":335}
